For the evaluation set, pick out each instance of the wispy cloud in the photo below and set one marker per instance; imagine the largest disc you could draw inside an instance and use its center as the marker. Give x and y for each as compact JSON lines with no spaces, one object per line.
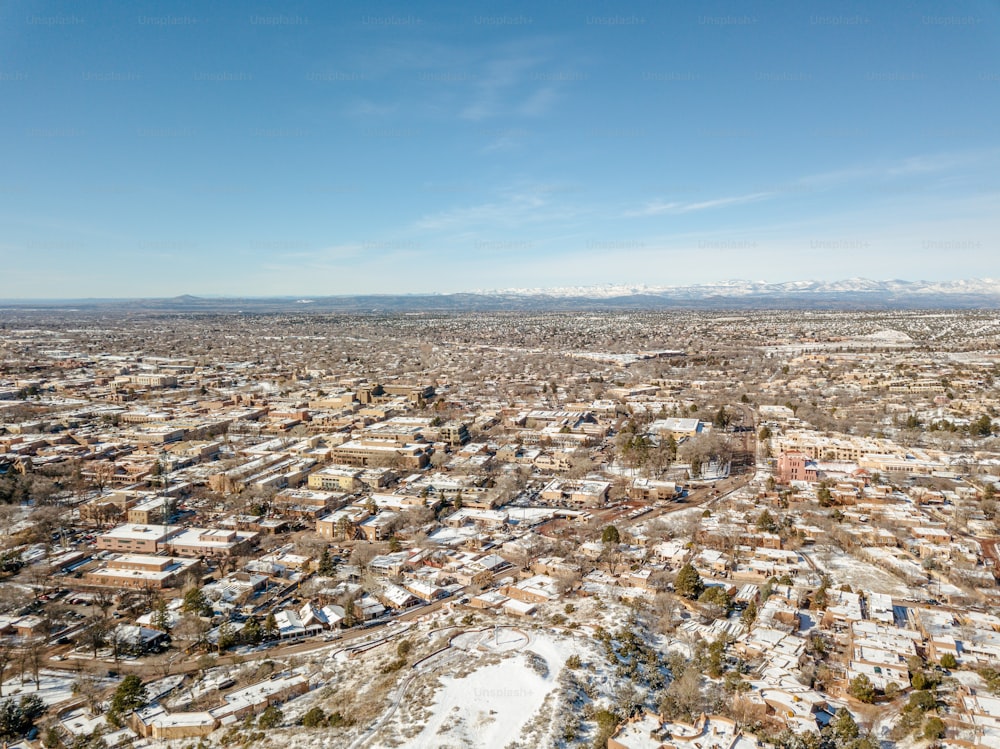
{"x":661,"y":208}
{"x":517,"y":80}
{"x":503,"y":143}
{"x":532,"y":204}
{"x":513,"y":210}
{"x":499,"y":89}
{"x":367,"y":108}
{"x":912,"y":166}
{"x":471,"y":82}
{"x":539,"y":103}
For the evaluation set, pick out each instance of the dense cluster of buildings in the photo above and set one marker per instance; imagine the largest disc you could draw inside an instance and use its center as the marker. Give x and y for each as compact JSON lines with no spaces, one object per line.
{"x":317,"y":498}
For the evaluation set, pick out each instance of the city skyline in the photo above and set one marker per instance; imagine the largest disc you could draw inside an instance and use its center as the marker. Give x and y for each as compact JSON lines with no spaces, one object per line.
{"x":243,"y":151}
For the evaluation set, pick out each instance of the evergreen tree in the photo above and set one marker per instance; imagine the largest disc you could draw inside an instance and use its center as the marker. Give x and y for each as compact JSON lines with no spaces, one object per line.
{"x":688,"y":582}
{"x":270,"y":626}
{"x":130,"y":695}
{"x":934,"y":728}
{"x":981,"y":427}
{"x":18,"y":716}
{"x":721,"y":419}
{"x":843,"y":727}
{"x":314,"y":718}
{"x":821,"y":596}
{"x":226,"y":636}
{"x":862,"y":689}
{"x":671,"y":444}
{"x":196,"y":603}
{"x":271,"y":717}
{"x":716,"y":595}
{"x":251,"y":632}
{"x":823,"y":495}
{"x":161,"y":617}
{"x":766,"y":522}
{"x":325,"y":564}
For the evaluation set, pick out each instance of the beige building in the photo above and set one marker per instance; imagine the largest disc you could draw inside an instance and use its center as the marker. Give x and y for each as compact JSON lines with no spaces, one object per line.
{"x":306,"y":503}
{"x":137,"y":538}
{"x":341,"y":524}
{"x":211,"y":542}
{"x":140,"y":571}
{"x":650,"y":490}
{"x":149,"y":511}
{"x":368,"y":452}
{"x":583,"y":493}
{"x":336,"y":478}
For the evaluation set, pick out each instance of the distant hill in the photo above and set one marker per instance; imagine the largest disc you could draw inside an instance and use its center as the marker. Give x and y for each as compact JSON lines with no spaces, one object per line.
{"x":855,"y":293}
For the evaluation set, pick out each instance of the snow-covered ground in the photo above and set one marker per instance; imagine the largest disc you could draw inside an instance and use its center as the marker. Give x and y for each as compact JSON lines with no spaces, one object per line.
{"x":53,"y":686}
{"x":860,"y":575}
{"x":498,"y":640}
{"x":489,"y":707}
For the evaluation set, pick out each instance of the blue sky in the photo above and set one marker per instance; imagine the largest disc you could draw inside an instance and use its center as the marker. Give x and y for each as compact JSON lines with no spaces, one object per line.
{"x":155,"y":149}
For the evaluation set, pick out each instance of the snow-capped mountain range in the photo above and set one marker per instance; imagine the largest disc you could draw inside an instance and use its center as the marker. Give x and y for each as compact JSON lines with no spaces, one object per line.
{"x":740,"y":288}
{"x":854,"y":293}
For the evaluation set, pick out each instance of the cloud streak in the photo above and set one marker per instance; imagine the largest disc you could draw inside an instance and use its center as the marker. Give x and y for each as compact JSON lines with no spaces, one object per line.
{"x":513,"y":210}
{"x":673,"y":208}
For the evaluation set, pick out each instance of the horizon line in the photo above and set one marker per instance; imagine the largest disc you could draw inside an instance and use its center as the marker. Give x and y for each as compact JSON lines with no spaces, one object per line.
{"x":306,"y":298}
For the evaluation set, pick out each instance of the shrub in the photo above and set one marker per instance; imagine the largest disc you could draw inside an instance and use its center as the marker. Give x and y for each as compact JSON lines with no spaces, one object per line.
{"x":270,"y":718}
{"x":18,"y":717}
{"x":921,"y":700}
{"x":934,"y":728}
{"x":392,"y":666}
{"x":862,"y":689}
{"x":716,"y":595}
{"x":314,"y":718}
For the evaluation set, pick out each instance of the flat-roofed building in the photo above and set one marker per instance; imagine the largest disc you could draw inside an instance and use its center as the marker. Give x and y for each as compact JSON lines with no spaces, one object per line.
{"x":211,"y":542}
{"x":137,"y":538}
{"x":454,"y":433}
{"x":306,"y":503}
{"x":537,"y":589}
{"x":336,"y":478}
{"x":651,"y":490}
{"x":341,"y":524}
{"x":414,"y":393}
{"x":368,"y":452}
{"x":140,"y":571}
{"x":152,"y":380}
{"x":585,"y":493}
{"x":152,"y":510}
{"x":257,"y":697}
{"x":379,"y":527}
{"x":155,"y":722}
{"x":677,"y":427}
{"x":796,"y":466}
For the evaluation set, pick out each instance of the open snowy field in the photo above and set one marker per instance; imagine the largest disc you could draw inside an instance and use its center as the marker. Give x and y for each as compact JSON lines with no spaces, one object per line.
{"x":491,"y":706}
{"x":53,"y":687}
{"x":860,"y":575}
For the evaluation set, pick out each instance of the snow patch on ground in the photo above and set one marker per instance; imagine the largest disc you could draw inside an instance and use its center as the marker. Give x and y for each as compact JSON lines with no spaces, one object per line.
{"x":53,"y":686}
{"x":860,"y":575}
{"x":491,"y":706}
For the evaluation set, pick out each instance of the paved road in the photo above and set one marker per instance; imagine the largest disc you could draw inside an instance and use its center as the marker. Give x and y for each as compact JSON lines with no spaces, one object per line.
{"x":190,"y":665}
